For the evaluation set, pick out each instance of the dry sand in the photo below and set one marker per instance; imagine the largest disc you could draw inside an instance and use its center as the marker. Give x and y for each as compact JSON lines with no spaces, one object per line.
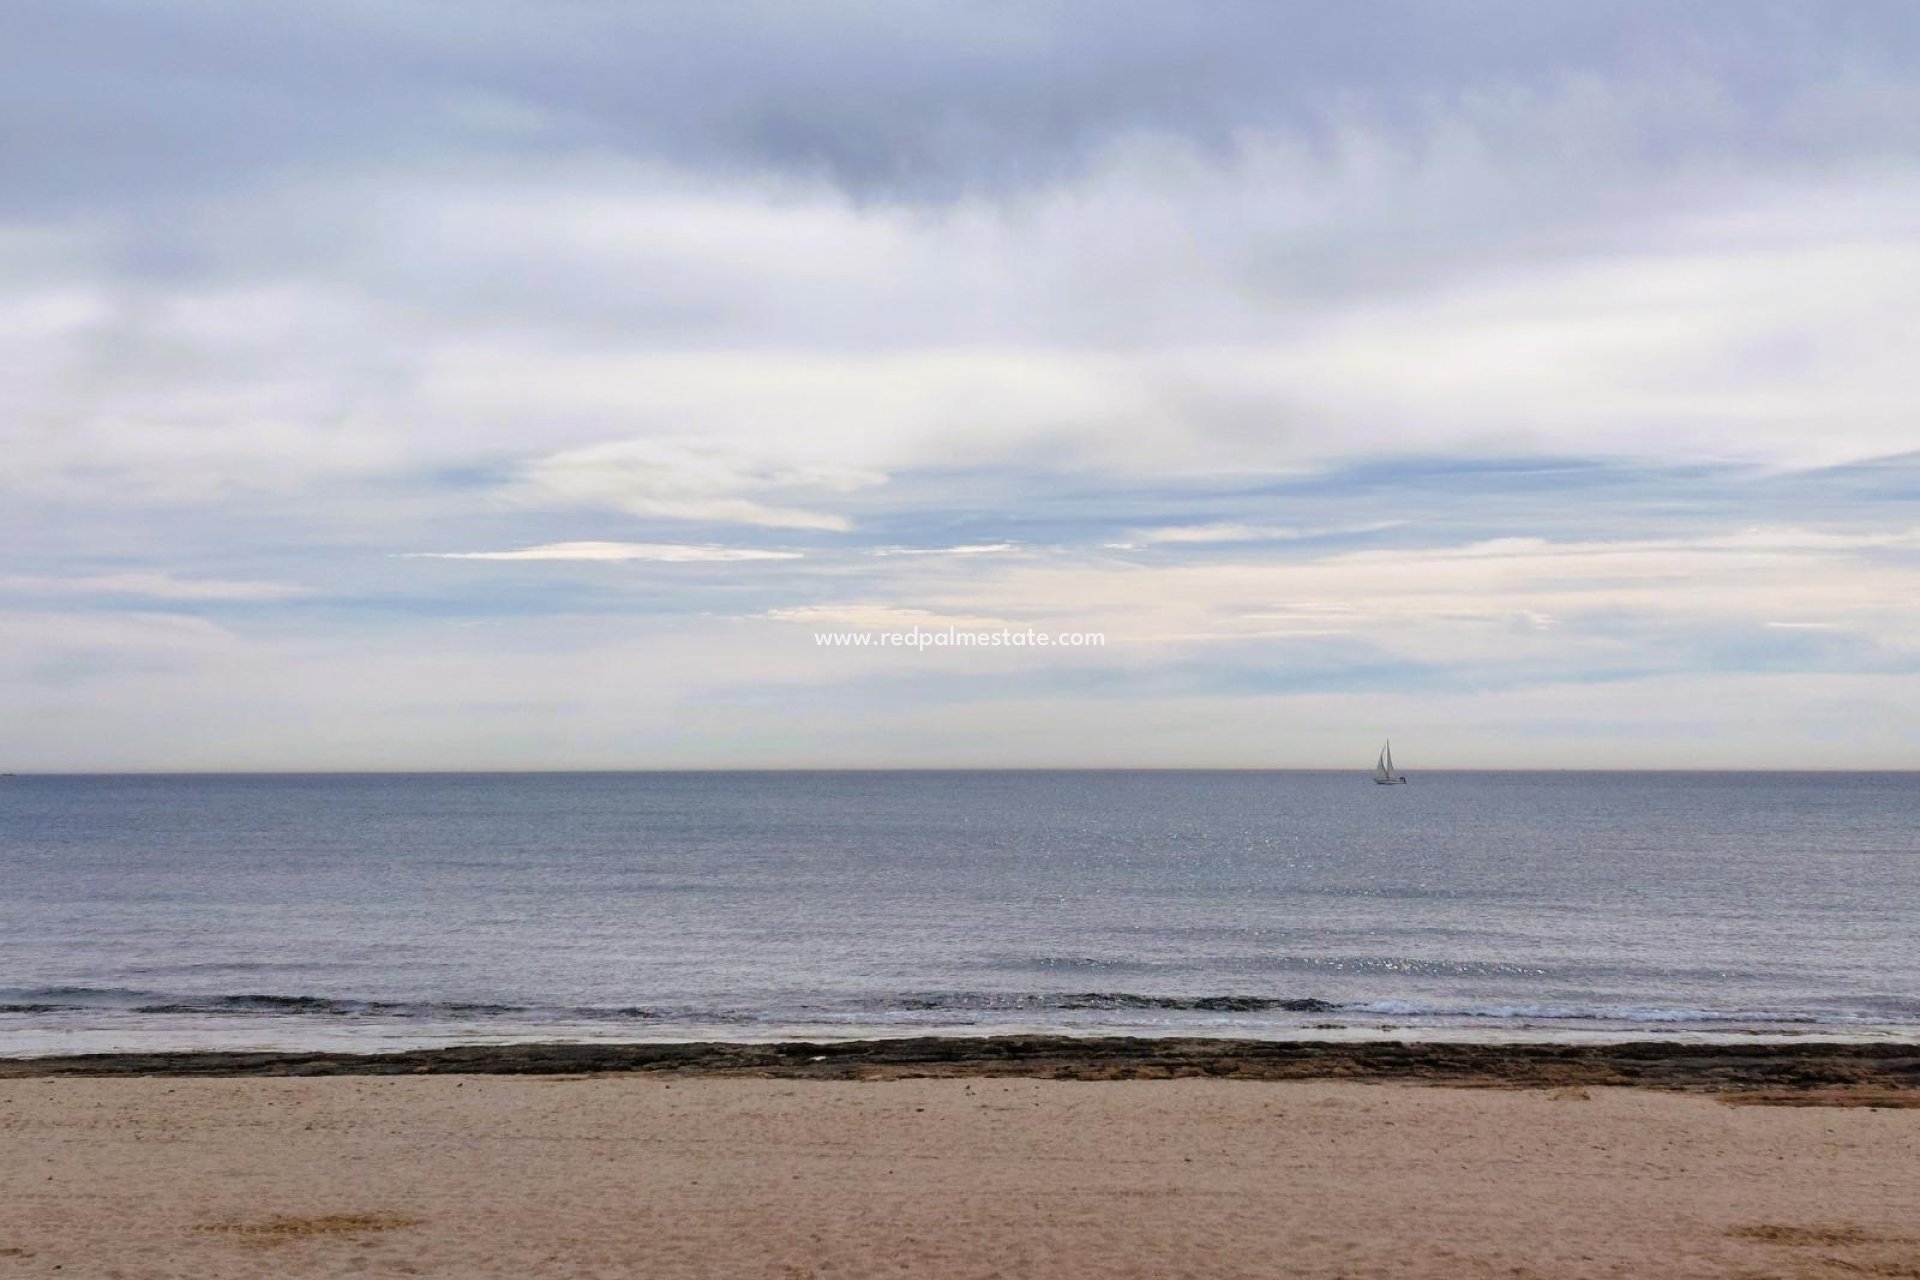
{"x":646,"y":1176}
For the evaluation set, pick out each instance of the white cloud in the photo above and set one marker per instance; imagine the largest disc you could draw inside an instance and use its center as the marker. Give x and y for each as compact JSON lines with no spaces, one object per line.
{"x":880,"y":617}
{"x":1229,"y":531}
{"x":607,"y":552}
{"x":158,"y":586}
{"x":1466,"y":602}
{"x":624,"y":336}
{"x":689,"y":480}
{"x":1763,"y":323}
{"x":969,"y":549}
{"x":1785,"y":350}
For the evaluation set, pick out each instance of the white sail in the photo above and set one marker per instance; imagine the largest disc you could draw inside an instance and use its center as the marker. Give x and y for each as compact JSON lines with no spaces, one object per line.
{"x":1383,"y":767}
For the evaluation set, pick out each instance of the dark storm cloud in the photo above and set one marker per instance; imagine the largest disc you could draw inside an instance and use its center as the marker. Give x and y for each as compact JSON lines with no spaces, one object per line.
{"x":117,"y":102}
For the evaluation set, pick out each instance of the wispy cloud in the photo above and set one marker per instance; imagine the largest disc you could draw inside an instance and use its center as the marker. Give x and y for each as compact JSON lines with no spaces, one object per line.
{"x":1232,"y":531}
{"x":156,"y":586}
{"x":612,"y":552}
{"x":879,"y":617}
{"x":1621,"y":600}
{"x":968,"y":549}
{"x":689,"y":480}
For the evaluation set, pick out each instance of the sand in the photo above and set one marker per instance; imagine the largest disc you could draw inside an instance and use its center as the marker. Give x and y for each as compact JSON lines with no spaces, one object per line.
{"x":655,"y":1176}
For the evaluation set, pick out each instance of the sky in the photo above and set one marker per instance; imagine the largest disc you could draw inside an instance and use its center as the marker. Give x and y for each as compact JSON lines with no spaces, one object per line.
{"x":439,"y":384}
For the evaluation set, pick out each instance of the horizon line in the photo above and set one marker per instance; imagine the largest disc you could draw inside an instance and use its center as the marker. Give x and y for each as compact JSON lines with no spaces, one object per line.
{"x":1360,"y":771}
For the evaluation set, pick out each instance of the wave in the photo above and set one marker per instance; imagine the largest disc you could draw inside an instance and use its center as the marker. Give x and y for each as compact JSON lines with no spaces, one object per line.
{"x":1363,"y":1011}
{"x":103,"y":999}
{"x":1598,"y":1013}
{"x":985,"y":1002}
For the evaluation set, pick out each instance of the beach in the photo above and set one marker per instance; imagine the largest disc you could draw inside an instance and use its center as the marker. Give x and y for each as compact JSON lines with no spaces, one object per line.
{"x":958,"y":1026}
{"x":959,"y":641}
{"x":993,"y":1165}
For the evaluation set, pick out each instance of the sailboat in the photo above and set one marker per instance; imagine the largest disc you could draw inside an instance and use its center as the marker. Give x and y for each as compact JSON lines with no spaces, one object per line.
{"x":1383,"y":773}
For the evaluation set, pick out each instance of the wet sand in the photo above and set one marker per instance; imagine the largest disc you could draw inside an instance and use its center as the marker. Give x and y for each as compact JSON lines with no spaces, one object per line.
{"x":1667,"y":1064}
{"x":665,"y":1175}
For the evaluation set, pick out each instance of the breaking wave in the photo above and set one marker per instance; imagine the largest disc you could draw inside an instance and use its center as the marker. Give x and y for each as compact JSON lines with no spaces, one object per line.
{"x":1081,"y":1010}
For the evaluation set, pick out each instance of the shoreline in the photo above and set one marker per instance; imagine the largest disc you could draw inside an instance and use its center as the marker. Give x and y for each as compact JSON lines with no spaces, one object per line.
{"x":1656,"y":1064}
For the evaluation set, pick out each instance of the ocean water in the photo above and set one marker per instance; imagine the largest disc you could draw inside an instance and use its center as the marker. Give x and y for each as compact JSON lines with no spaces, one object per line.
{"x":376,"y":911}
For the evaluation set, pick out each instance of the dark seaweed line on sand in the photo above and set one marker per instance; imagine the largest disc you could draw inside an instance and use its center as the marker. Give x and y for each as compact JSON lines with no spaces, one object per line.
{"x":1652,"y":1064}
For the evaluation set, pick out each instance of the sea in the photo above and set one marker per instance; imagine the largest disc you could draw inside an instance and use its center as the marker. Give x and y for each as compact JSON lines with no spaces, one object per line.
{"x":384,"y":911}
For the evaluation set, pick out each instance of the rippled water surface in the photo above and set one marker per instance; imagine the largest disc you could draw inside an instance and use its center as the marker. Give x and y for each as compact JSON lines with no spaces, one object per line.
{"x":382,"y":909}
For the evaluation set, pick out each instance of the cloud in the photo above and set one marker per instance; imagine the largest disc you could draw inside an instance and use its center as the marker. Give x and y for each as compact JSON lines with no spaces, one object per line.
{"x":1602,"y":602}
{"x":616,"y":332}
{"x":1485,"y":341}
{"x":158,"y":586}
{"x":967,"y":549}
{"x":1229,"y":531}
{"x":688,"y":480}
{"x":880,"y":617}
{"x":936,"y":104}
{"x":611,"y":552}
{"x":1769,"y":338}
{"x":41,"y":651}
